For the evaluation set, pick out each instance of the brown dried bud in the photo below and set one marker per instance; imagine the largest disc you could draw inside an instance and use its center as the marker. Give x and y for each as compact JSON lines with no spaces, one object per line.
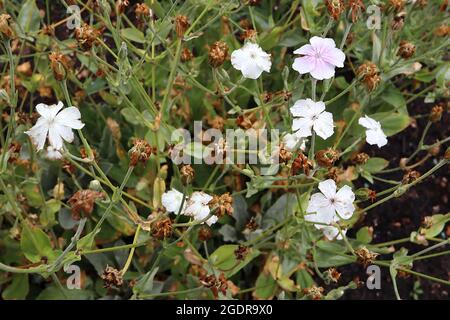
{"x":218,"y":53}
{"x":216,"y":122}
{"x":84,"y":153}
{"x":410,"y":176}
{"x":121,"y":5}
{"x":436,"y":113}
{"x":25,"y":68}
{"x":365,"y":257}
{"x":253,"y":3}
{"x":315,"y":293}
{"x":186,"y":55}
{"x":251,"y":225}
{"x":5,"y":27}
{"x":187,"y":173}
{"x":60,"y":65}
{"x":241,"y":252}
{"x":181,"y":25}
{"x":244,"y":122}
{"x":87,"y":36}
{"x":360,"y":158}
{"x":442,"y":31}
{"x":284,"y":155}
{"x":301,"y":163}
{"x":356,"y":8}
{"x":223,"y":203}
{"x":398,"y":21}
{"x":434,"y":151}
{"x":112,"y":277}
{"x":326,"y":158}
{"x":162,"y":229}
{"x":83,"y":201}
{"x":248,"y":34}
{"x":204,"y":233}
{"x":335,"y":8}
{"x":406,"y":49}
{"x":422,"y":3}
{"x":333,"y":275}
{"x":140,"y":152}
{"x":68,"y":166}
{"x":397,"y":5}
{"x":369,"y":73}
{"x":142,"y":10}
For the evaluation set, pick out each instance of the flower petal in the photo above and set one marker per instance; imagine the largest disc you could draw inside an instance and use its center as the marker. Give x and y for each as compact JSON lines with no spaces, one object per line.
{"x":306,"y":49}
{"x":304,"y":64}
{"x":320,"y":43}
{"x":38,"y":133}
{"x":323,"y":125}
{"x":55,"y":138}
{"x":65,"y":132}
{"x":322,"y":70}
{"x":334,"y":56}
{"x":369,"y":123}
{"x":328,"y":188}
{"x":302,"y":127}
{"x":70,"y":117}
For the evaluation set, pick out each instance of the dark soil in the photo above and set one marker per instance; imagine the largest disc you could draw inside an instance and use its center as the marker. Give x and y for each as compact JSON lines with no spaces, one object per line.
{"x":397,"y":218}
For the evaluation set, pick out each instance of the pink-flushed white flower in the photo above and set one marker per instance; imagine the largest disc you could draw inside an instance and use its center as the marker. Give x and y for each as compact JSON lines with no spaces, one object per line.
{"x":329,"y":206}
{"x":319,"y":58}
{"x":374,"y":133}
{"x":310,"y":115}
{"x":251,"y":60}
{"x":53,"y":154}
{"x":173,"y":201}
{"x":292,"y":142}
{"x":54,"y":124}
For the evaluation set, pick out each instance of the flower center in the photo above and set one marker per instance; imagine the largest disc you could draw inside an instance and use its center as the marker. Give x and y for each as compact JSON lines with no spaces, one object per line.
{"x":252,"y":55}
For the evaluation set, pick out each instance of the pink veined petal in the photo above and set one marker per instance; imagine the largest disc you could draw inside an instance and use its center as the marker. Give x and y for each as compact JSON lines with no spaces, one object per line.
{"x":303,"y":108}
{"x":322,"y":70}
{"x":334,"y":56}
{"x":307,"y":50}
{"x":323,"y":125}
{"x":70,"y":117}
{"x":328,"y":188}
{"x":55,"y":138}
{"x":65,"y":132}
{"x":302,"y":127}
{"x":304,"y":64}
{"x":320,"y":43}
{"x":38,"y":134}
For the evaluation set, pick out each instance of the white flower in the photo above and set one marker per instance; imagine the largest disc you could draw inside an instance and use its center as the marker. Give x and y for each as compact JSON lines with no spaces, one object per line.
{"x":374,"y":133}
{"x":311,"y":115}
{"x":58,"y":126}
{"x":53,"y":154}
{"x":198,"y":208}
{"x":251,"y":60}
{"x":292,"y":142}
{"x":320,"y":57}
{"x":172,"y":201}
{"x":330,"y":206}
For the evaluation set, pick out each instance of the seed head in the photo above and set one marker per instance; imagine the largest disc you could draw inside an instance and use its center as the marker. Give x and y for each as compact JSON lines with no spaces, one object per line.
{"x":218,"y":53}
{"x":181,"y":25}
{"x":406,"y":49}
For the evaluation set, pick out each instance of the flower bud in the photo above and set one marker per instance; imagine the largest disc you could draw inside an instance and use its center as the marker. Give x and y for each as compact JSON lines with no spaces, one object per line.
{"x":410,"y":176}
{"x":95,"y":185}
{"x":162,"y":229}
{"x":181,"y":25}
{"x":356,"y":7}
{"x":140,"y":152}
{"x":186,"y":55}
{"x":335,"y":8}
{"x":436,"y":113}
{"x":360,"y":158}
{"x":187,"y":174}
{"x":60,"y":65}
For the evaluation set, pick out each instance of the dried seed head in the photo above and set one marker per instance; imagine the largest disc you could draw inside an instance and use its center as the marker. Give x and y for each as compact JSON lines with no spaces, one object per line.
{"x":121,"y":5}
{"x":218,"y":53}
{"x":253,"y":3}
{"x":142,"y":11}
{"x":442,"y":31}
{"x":84,"y":153}
{"x":360,"y":158}
{"x":356,"y":7}
{"x":181,"y":25}
{"x":248,"y":34}
{"x":315,"y":293}
{"x":244,"y":122}
{"x":406,"y":49}
{"x":68,"y":166}
{"x":186,"y":55}
{"x":251,"y":225}
{"x":60,"y":65}
{"x":204,"y":233}
{"x":187,"y":174}
{"x":87,"y":36}
{"x":436,"y":113}
{"x":162,"y":229}
{"x":112,"y":277}
{"x":326,"y":158}
{"x":241,"y":252}
{"x":365,"y":257}
{"x":301,"y":163}
{"x":223,"y":203}
{"x":140,"y":152}
{"x":397,"y":5}
{"x":333,"y":275}
{"x":335,"y":8}
{"x":83,"y":202}
{"x":5,"y":27}
{"x":398,"y":21}
{"x":410,"y":176}
{"x":216,"y":122}
{"x":369,"y":73}
{"x":284,"y":155}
